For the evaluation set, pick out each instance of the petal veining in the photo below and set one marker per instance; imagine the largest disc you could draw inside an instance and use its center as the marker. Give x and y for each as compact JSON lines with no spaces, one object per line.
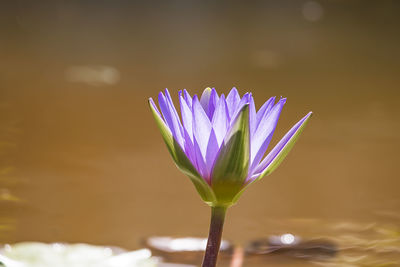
{"x":200,"y":161}
{"x":252,"y":115}
{"x":279,"y":152}
{"x":220,"y":121}
{"x":172,"y":108}
{"x":187,"y":117}
{"x":212,"y":150}
{"x":171,"y":118}
{"x":188,"y":98}
{"x":232,"y":101}
{"x":263,"y":134}
{"x":245,"y":100}
{"x":201,"y":126}
{"x":205,"y":99}
{"x":264,"y":110}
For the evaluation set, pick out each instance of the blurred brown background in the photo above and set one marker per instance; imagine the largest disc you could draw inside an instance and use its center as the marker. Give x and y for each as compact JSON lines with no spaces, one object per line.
{"x":83,"y":161}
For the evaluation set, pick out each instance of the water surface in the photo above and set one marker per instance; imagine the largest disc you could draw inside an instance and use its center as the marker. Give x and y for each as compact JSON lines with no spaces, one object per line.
{"x":83,"y":161}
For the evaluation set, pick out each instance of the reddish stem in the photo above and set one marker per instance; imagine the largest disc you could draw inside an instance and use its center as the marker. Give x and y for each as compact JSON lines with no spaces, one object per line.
{"x":214,"y":236}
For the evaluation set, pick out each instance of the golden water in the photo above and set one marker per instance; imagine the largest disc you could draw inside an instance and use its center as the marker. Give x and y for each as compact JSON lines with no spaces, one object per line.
{"x":83,"y":161}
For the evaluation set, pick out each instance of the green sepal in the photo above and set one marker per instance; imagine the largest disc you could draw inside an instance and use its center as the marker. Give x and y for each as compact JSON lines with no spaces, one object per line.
{"x":231,"y":167}
{"x":181,"y":160}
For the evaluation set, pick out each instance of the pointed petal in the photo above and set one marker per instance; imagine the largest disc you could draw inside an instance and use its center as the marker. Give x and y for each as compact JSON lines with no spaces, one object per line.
{"x":263,"y":135}
{"x":252,"y":116}
{"x":171,"y":118}
{"x":232,"y":100}
{"x":188,"y":98}
{"x":279,"y":152}
{"x":212,"y":103}
{"x":212,"y":150}
{"x":220,"y":121}
{"x":189,"y":150}
{"x":264,"y":110}
{"x":232,"y":162}
{"x":175,"y":113}
{"x":200,"y":161}
{"x":154,"y":108}
{"x":205,"y":99}
{"x":201,"y":126}
{"x":245,"y":100}
{"x":187,"y":116}
{"x":180,"y":158}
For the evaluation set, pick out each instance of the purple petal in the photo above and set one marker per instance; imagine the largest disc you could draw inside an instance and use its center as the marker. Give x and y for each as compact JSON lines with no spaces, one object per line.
{"x":282,"y":143}
{"x":212,"y":103}
{"x":263,"y":134}
{"x":187,"y":116}
{"x":232,"y":161}
{"x":205,"y":99}
{"x":201,"y":127}
{"x":171,"y":118}
{"x":212,"y":150}
{"x":245,"y":100}
{"x":188,"y":130}
{"x":189,"y":149}
{"x":264,"y":110}
{"x":220,"y":121}
{"x":172,"y":107}
{"x":232,"y":101}
{"x":188,"y":98}
{"x":200,"y":161}
{"x":252,"y":116}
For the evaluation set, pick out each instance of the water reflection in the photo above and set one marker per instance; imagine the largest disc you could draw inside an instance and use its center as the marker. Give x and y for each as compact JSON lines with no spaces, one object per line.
{"x":184,"y":244}
{"x":288,"y":239}
{"x":293,"y":247}
{"x":338,"y":243}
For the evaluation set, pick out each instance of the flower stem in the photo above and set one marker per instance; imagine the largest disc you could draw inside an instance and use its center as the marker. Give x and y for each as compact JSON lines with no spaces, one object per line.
{"x":214,"y":236}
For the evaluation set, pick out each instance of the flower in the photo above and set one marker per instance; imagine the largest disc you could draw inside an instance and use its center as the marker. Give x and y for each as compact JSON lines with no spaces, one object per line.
{"x":220,"y":142}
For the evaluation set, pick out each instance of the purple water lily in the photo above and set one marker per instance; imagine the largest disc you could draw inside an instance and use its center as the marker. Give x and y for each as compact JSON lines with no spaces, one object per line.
{"x":224,"y":139}
{"x":220,"y":144}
